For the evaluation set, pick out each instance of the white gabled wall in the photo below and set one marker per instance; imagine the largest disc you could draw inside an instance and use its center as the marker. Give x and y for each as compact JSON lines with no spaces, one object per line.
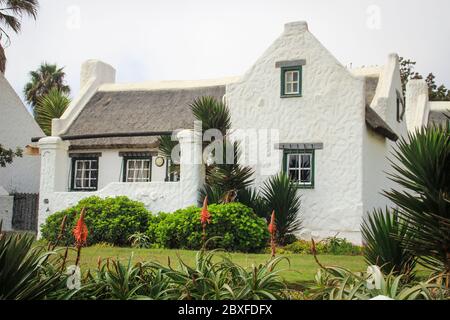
{"x":331,"y":111}
{"x":17,"y":127}
{"x":377,"y":149}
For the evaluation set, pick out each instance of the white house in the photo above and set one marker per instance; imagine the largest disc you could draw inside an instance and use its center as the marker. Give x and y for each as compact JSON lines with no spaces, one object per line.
{"x":297,"y":108}
{"x":17,"y":127}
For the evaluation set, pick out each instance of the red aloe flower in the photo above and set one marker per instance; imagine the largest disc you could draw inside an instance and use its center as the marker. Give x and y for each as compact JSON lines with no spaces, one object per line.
{"x":272,"y":230}
{"x":205,"y":216}
{"x":81,"y":231}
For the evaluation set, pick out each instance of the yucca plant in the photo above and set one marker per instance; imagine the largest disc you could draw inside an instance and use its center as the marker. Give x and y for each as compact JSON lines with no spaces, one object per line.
{"x":281,"y":196}
{"x":384,"y":234}
{"x":423,"y":170}
{"x":25,"y":272}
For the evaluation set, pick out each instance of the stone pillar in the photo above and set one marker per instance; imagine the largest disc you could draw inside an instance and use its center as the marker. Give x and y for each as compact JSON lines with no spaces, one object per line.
{"x":191,"y":167}
{"x":54,"y":171}
{"x":417,"y":104}
{"x":6,"y":209}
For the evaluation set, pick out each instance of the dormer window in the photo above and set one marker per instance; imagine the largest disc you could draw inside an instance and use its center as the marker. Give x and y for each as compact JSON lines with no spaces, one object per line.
{"x":291,"y":77}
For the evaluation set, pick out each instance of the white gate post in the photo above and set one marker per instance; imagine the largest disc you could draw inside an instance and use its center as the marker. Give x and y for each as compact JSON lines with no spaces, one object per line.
{"x":191,"y":167}
{"x":53,"y":174}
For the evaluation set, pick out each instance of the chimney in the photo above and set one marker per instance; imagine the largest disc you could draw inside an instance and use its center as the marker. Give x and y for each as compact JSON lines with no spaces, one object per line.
{"x":295,"y":27}
{"x":417,"y":104}
{"x":98,"y":70}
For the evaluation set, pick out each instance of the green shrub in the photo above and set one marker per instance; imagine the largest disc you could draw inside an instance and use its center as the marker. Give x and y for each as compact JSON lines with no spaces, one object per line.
{"x":237,"y":227}
{"x":111,"y":220}
{"x":334,"y":246}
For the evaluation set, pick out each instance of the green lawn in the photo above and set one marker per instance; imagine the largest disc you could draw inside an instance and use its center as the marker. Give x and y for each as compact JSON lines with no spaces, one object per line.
{"x":302,"y":267}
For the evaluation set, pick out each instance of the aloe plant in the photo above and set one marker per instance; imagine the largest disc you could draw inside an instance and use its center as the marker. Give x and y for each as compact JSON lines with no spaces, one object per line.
{"x":336,"y":283}
{"x":25,"y":272}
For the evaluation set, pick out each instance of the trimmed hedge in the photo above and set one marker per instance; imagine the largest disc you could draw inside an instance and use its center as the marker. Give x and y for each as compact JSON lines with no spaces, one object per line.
{"x":237,"y":226}
{"x":110,"y":220}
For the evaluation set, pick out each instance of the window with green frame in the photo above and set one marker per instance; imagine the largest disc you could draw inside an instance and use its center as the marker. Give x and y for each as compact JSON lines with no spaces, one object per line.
{"x":299,"y":166}
{"x":291,"y":81}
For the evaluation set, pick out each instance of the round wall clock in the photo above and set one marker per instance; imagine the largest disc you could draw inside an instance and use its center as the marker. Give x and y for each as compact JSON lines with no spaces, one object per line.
{"x":159,"y":161}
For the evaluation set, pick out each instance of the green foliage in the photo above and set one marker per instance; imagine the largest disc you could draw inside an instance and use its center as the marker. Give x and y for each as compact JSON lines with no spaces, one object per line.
{"x":43,"y":80}
{"x":50,"y":106}
{"x":211,"y":278}
{"x":281,"y":195}
{"x":11,"y":14}
{"x":7,"y":155}
{"x":25,"y":273}
{"x":111,"y":220}
{"x":384,"y":234}
{"x":233,"y":227}
{"x":213,"y":114}
{"x":435,"y":92}
{"x":336,"y":283}
{"x":228,"y":178}
{"x":333,"y":246}
{"x":423,"y":170}
{"x":252,"y":199}
{"x":139,"y":240}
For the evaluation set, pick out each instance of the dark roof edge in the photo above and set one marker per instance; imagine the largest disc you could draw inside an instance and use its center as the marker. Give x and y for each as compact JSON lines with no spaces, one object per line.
{"x":377,"y":124}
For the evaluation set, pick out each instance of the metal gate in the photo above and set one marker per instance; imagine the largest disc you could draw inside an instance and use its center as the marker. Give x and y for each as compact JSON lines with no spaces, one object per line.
{"x":25,"y":212}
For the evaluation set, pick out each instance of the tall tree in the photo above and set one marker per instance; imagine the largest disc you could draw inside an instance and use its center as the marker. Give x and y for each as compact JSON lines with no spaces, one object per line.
{"x":43,"y":80}
{"x":50,"y":106}
{"x":11,"y":14}
{"x":407,"y":72}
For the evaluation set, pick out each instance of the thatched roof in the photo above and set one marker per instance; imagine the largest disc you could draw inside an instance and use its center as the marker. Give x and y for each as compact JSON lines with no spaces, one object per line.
{"x":377,"y":124}
{"x":136,"y":111}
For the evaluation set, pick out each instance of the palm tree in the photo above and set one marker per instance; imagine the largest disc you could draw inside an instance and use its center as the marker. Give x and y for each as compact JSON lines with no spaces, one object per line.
{"x":11,"y":12}
{"x":45,"y":78}
{"x":50,"y":106}
{"x":423,"y":170}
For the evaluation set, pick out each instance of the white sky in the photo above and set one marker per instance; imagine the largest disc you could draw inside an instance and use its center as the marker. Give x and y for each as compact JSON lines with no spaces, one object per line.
{"x":198,"y":39}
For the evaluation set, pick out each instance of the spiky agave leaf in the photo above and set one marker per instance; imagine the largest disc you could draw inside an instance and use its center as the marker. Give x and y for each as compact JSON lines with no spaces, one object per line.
{"x":384,"y":234}
{"x":281,"y":195}
{"x":423,"y":170}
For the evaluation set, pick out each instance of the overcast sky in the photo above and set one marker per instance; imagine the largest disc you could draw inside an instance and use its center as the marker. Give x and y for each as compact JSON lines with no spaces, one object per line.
{"x":199,"y":39}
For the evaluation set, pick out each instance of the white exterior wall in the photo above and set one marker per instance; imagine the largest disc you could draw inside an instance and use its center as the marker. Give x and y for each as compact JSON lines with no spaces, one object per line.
{"x":157,"y":196}
{"x":17,"y":127}
{"x":6,"y":209}
{"x":331,"y":111}
{"x":378,"y":149}
{"x":110,"y":167}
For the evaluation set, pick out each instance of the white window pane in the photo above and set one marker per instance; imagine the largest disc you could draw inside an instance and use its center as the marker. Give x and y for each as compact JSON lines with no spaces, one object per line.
{"x":295,"y":76}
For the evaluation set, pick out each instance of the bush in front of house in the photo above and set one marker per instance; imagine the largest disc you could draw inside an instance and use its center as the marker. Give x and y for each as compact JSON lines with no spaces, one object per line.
{"x":233,"y":227}
{"x":110,"y":220}
{"x":332,"y":245}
